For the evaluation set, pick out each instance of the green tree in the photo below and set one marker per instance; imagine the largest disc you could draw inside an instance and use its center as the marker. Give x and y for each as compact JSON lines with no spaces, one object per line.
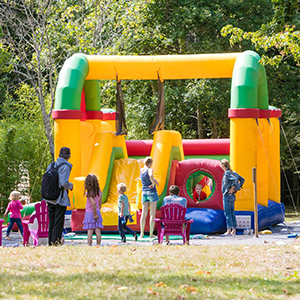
{"x":41,"y":35}
{"x":25,"y":34}
{"x":188,"y":27}
{"x":5,"y":68}
{"x":278,"y":39}
{"x":23,"y":146}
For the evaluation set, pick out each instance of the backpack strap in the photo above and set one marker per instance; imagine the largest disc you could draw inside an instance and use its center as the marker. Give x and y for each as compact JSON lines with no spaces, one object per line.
{"x":57,"y":167}
{"x":63,"y":163}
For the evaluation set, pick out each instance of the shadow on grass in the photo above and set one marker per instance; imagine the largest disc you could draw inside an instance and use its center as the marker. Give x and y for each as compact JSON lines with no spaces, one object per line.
{"x":106,"y":284}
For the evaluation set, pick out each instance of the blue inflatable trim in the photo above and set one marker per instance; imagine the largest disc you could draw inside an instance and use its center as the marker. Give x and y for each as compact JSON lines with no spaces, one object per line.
{"x":208,"y":220}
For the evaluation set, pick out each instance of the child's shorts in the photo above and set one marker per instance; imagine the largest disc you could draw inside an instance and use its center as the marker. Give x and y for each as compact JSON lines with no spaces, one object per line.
{"x":149,"y":197}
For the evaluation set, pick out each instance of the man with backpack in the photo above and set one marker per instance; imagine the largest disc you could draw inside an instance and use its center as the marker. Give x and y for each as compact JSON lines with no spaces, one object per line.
{"x":57,"y":207}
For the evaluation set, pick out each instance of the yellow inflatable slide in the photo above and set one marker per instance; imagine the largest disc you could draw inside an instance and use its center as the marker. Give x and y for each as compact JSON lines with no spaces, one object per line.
{"x":110,"y":163}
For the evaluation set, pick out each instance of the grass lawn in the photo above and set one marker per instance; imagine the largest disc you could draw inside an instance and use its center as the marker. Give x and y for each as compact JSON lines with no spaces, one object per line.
{"x":155,"y":272}
{"x":291,"y":214}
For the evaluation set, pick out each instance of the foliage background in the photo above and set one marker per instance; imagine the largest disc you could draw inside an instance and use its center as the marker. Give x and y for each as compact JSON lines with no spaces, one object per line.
{"x":36,"y":38}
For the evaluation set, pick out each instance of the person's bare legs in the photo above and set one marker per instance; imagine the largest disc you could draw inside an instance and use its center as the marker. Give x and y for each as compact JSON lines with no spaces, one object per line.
{"x":98,"y":236}
{"x":145,"y":208}
{"x":152,"y":217}
{"x":167,"y":240}
{"x":228,"y":231}
{"x":233,"y":232}
{"x":90,"y":237}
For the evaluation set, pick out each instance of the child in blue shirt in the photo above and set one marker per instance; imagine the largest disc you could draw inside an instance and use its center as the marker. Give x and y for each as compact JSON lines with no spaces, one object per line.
{"x":174,"y":199}
{"x":124,"y":213}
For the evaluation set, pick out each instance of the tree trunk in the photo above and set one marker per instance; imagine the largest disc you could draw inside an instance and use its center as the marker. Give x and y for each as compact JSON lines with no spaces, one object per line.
{"x":200,"y":128}
{"x":49,"y":135}
{"x":214,"y":128}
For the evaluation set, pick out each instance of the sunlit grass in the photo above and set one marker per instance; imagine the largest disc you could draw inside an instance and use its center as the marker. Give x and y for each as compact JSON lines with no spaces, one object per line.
{"x":291,"y":214}
{"x":158,"y":272}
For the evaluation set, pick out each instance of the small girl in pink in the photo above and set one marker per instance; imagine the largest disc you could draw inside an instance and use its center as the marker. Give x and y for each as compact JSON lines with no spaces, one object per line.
{"x":92,"y":219}
{"x":14,"y":207}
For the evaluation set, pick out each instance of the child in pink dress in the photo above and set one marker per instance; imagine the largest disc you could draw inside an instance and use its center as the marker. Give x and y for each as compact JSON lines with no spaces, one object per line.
{"x":92,"y":219}
{"x":14,"y":207}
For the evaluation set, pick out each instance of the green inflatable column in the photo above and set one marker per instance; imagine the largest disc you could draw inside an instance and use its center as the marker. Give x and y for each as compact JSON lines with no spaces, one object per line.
{"x":92,"y":95}
{"x":249,"y":83}
{"x":249,"y":128}
{"x":70,"y":82}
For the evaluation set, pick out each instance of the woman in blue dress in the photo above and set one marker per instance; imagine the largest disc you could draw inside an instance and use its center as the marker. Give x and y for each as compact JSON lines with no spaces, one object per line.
{"x":149,"y":195}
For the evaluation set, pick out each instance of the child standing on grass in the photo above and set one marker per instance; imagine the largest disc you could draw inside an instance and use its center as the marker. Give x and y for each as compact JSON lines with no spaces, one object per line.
{"x":14,"y":207}
{"x":124,"y":213}
{"x":92,"y":219}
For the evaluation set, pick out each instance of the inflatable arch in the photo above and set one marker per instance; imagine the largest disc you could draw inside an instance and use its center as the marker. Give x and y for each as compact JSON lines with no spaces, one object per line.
{"x":254,"y":126}
{"x":208,"y":167}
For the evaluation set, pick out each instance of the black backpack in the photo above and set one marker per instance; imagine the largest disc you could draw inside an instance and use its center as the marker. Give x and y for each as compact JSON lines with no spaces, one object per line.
{"x":50,"y":185}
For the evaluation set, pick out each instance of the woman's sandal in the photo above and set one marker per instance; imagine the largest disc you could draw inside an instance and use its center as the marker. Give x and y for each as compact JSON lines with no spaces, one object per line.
{"x":226,"y":234}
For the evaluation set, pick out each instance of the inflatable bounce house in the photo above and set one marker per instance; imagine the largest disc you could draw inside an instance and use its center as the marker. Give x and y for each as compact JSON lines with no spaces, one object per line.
{"x":90,"y":133}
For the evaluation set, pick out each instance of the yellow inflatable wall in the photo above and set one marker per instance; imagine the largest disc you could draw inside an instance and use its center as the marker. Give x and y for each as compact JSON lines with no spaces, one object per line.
{"x":128,"y":172}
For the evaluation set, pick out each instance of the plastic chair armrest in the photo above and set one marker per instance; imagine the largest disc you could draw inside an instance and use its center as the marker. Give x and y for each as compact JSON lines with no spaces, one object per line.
{"x":159,"y":230}
{"x":26,"y":232}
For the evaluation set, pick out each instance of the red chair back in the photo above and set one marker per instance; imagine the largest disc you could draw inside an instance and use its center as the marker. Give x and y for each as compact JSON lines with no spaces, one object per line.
{"x":1,"y":222}
{"x":173,"y":217}
{"x":41,"y":214}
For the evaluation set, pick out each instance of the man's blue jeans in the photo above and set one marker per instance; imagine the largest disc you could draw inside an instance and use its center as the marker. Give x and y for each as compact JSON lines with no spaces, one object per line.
{"x":228,"y":203}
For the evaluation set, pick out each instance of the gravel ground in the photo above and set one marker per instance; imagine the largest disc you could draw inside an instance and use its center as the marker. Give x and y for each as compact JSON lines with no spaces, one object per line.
{"x":279,"y":236}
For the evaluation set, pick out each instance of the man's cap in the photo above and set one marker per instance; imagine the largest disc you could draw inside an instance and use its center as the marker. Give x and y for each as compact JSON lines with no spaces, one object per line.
{"x":64,"y":152}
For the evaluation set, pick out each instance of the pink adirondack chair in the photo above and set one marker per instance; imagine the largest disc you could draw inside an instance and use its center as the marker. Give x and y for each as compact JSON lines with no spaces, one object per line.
{"x":173,"y":220}
{"x":41,"y":214}
{"x":1,"y":222}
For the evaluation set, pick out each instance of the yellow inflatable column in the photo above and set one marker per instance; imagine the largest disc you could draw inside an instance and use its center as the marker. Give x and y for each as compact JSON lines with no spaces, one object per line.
{"x":160,"y":152}
{"x":67,"y":133}
{"x":88,"y":131}
{"x":243,"y":152}
{"x":274,"y":156}
{"x":163,"y":143}
{"x":263,"y":157}
{"x":89,"y":128}
{"x":102,"y":152}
